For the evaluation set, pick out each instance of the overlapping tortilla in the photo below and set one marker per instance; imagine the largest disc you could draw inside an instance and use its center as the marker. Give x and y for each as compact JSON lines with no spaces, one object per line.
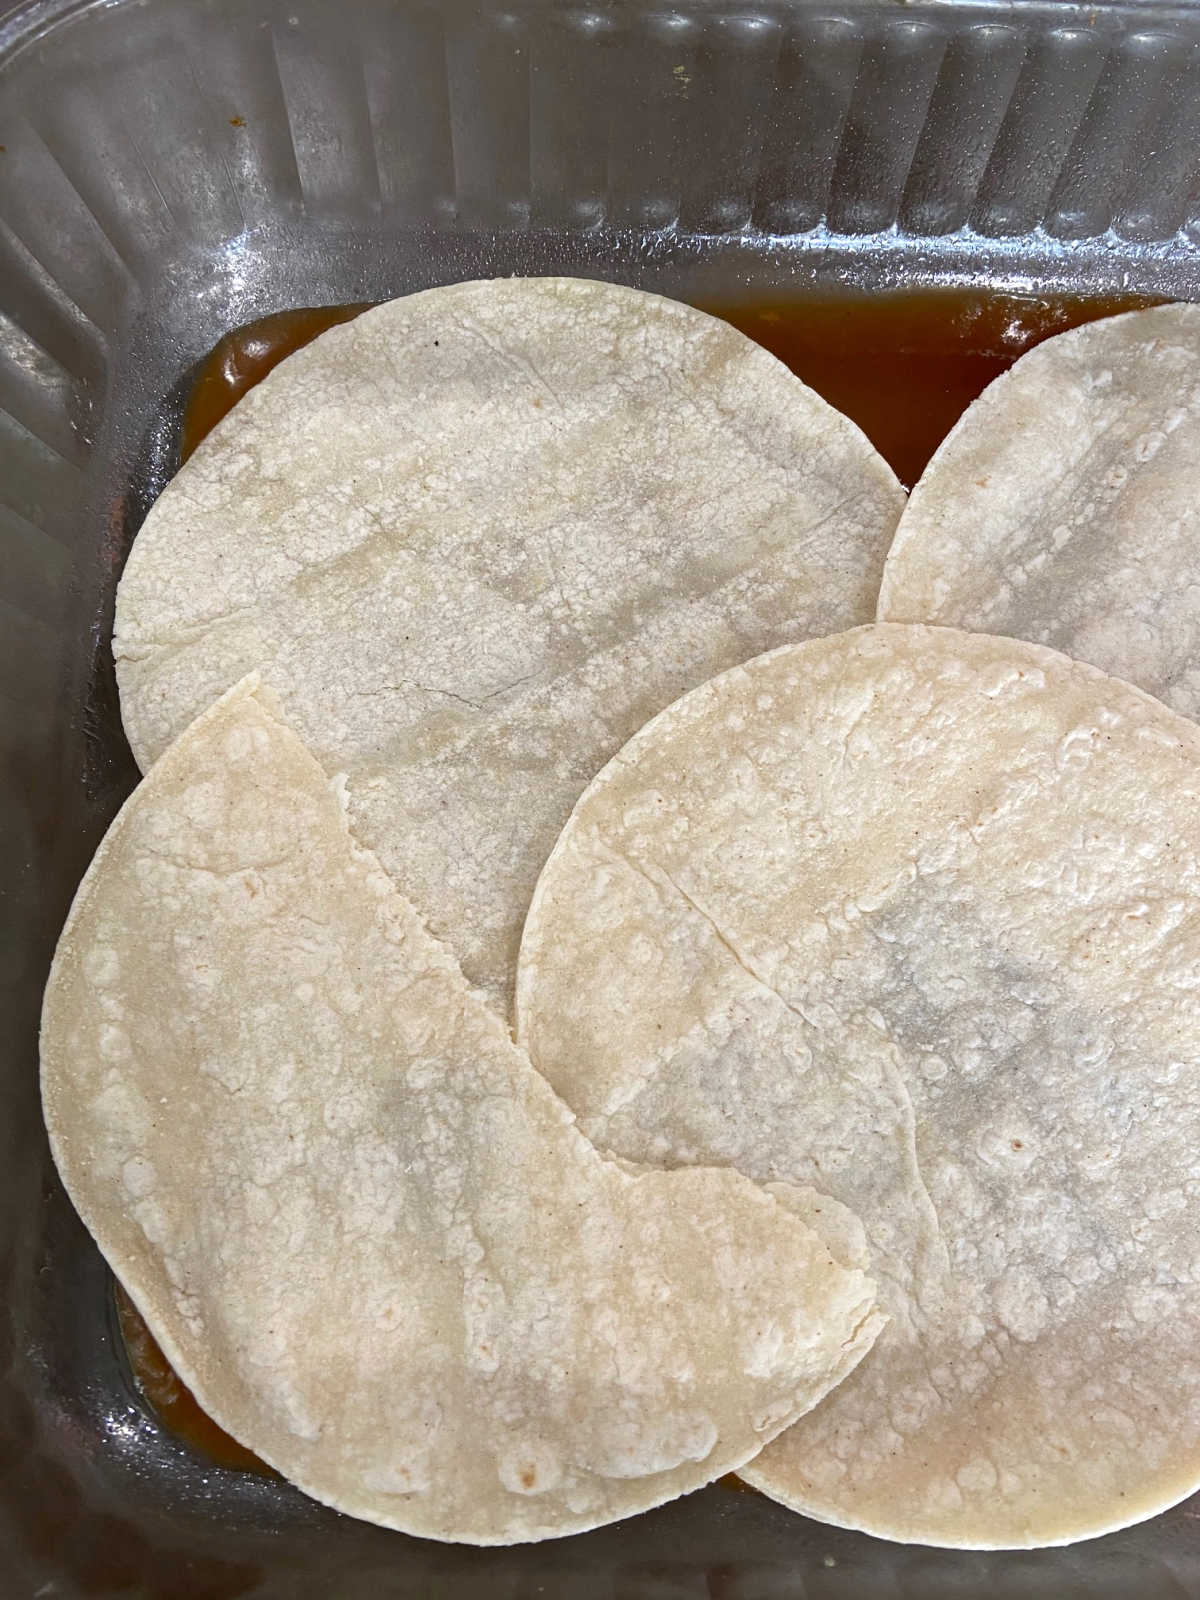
{"x":474,"y":539}
{"x":1065,"y":506}
{"x":913,"y":915}
{"x":364,"y":1230}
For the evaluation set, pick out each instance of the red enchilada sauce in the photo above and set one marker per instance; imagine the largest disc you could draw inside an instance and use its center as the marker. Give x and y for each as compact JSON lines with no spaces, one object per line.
{"x":903,"y":366}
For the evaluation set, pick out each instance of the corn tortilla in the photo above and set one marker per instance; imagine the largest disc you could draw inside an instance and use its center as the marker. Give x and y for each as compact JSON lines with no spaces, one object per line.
{"x":365,"y":1232}
{"x":913,"y":916}
{"x":1065,"y":506}
{"x":474,"y":539}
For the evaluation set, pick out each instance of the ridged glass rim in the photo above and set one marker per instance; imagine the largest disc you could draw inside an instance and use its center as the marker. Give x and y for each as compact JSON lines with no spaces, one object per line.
{"x":28,"y":21}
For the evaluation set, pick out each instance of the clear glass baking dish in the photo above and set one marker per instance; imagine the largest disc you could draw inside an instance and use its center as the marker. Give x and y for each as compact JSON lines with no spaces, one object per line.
{"x":170,"y":169}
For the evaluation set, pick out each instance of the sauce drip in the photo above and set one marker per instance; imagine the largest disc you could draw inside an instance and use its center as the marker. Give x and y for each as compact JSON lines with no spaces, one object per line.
{"x":902,"y":366}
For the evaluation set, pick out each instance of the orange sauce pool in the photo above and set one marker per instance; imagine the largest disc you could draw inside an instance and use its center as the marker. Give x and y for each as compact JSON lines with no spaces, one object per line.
{"x":903,"y":366}
{"x":170,"y":1399}
{"x":906,"y":366}
{"x":243,"y":358}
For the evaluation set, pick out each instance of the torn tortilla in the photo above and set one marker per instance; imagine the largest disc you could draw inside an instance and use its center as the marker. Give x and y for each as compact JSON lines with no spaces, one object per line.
{"x":913,"y":916}
{"x":366,"y":1233}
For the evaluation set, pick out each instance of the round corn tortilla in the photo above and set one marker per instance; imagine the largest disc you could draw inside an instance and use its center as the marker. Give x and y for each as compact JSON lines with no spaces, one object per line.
{"x":474,"y":539}
{"x":1065,"y":506}
{"x":365,"y":1232}
{"x":913,"y":915}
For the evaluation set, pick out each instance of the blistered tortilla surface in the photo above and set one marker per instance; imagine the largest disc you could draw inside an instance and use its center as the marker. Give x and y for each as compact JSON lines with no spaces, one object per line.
{"x":913,"y":916}
{"x":1065,"y":506}
{"x":474,"y":539}
{"x":362,"y":1227}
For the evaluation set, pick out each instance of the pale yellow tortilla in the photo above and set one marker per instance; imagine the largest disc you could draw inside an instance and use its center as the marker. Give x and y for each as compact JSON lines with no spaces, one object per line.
{"x":474,"y":539}
{"x":363,"y":1229}
{"x":913,"y":916}
{"x":1065,"y":506}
